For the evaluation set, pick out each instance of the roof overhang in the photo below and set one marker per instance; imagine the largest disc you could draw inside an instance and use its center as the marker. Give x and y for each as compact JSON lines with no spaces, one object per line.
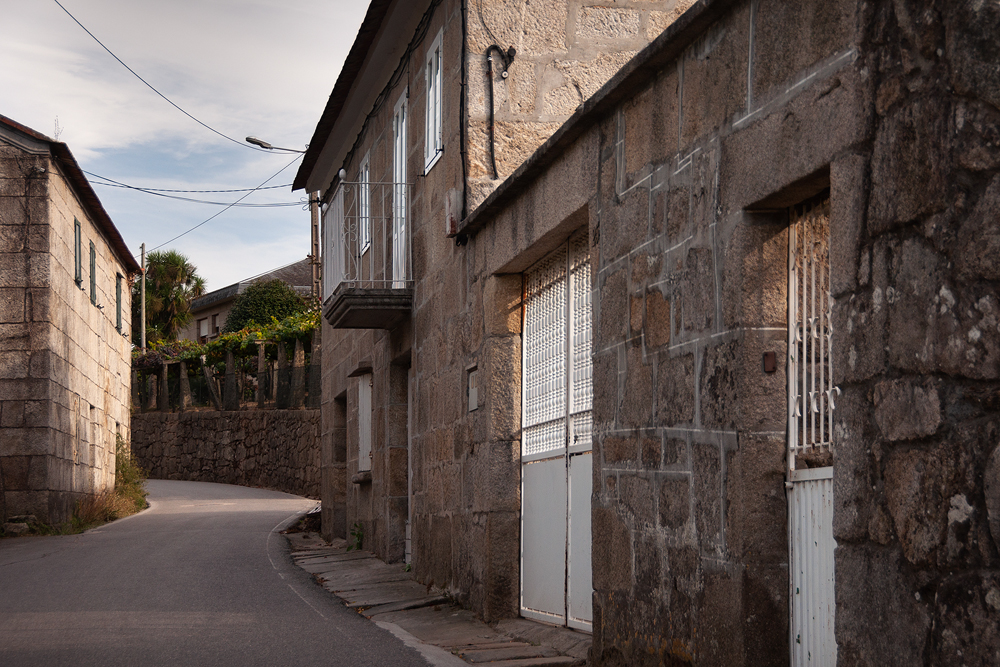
{"x":380,"y":44}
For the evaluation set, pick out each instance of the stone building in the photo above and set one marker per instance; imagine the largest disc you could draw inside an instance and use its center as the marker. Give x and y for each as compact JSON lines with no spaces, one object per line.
{"x":779,"y":222}
{"x":209,"y":311}
{"x":65,"y":352}
{"x":430,"y":96}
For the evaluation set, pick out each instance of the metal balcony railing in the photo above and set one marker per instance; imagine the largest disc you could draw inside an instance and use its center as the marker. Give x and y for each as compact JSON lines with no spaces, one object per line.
{"x":367,"y":277}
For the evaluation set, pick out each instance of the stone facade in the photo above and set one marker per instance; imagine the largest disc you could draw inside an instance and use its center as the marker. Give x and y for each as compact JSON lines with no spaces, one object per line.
{"x":272,"y":449}
{"x":64,"y":348}
{"x":453,"y":474}
{"x":682,"y":171}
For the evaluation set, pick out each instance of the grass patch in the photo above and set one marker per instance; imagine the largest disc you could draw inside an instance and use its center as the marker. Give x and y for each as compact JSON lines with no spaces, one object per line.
{"x":126,"y":498}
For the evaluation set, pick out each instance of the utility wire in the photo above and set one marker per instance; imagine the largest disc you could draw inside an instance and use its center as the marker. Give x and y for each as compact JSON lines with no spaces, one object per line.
{"x":150,"y":86}
{"x":136,"y":187}
{"x":163,"y":193}
{"x":184,"y":233}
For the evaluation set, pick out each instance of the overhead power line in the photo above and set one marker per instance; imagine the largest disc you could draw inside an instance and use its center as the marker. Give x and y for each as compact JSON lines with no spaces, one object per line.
{"x":150,"y":86}
{"x":163,"y":193}
{"x":204,"y":222}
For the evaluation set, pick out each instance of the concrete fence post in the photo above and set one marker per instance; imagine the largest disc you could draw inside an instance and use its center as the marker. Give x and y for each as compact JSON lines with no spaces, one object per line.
{"x":184,"y":398}
{"x":282,"y":398}
{"x":261,"y":373}
{"x":231,"y":394}
{"x":163,"y":404}
{"x":298,"y":398}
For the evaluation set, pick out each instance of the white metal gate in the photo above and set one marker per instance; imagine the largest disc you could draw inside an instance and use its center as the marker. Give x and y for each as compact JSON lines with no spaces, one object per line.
{"x":556,"y":459}
{"x":811,"y":396}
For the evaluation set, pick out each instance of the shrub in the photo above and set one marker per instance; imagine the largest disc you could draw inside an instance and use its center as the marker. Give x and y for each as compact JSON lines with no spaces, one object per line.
{"x":261,"y":302}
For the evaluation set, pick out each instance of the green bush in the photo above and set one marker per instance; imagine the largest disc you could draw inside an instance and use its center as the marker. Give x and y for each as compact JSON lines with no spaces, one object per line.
{"x":261,"y":302}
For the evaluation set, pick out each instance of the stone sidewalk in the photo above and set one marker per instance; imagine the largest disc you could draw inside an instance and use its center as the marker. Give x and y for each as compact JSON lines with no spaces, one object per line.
{"x":444,"y":633}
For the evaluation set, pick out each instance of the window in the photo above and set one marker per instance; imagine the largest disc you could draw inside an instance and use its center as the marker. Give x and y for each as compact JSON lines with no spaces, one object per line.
{"x":399,"y":245}
{"x":93,"y":274}
{"x":118,"y":302}
{"x":433,"y":142}
{"x":364,"y":207}
{"x":203,"y":327}
{"x":78,"y":253}
{"x":215,"y":324}
{"x":365,"y":422}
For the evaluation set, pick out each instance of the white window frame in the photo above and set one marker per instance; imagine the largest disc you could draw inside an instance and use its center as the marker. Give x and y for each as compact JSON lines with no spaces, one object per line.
{"x":433,"y":138}
{"x":364,"y":206}
{"x":400,"y":261}
{"x":365,"y":422}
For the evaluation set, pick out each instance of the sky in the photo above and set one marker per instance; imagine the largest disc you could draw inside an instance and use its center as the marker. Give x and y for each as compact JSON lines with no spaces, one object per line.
{"x":263,"y":68}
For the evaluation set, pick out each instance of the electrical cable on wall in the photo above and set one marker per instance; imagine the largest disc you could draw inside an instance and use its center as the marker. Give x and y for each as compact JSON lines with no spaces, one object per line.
{"x":506,"y":59}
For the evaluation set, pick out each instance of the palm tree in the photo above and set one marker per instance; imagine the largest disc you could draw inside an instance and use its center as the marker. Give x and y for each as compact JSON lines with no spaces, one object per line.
{"x":172,"y":282}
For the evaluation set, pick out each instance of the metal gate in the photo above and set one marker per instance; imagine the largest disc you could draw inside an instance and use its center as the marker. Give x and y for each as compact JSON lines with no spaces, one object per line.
{"x":811,"y":396}
{"x":556,"y":459}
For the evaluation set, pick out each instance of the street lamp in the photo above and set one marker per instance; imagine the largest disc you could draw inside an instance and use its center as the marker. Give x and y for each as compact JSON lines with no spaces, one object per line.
{"x":314,"y":249}
{"x":263,"y":144}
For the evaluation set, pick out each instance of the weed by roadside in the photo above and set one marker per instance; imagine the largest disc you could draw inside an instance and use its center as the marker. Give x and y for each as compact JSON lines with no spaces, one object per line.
{"x":126,"y":498}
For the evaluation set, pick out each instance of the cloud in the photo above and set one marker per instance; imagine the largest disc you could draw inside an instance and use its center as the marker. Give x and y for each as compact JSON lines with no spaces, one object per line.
{"x":244,"y":67}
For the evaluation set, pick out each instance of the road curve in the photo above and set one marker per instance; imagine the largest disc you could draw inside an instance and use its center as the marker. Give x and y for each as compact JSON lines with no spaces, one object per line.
{"x":200,"y":578}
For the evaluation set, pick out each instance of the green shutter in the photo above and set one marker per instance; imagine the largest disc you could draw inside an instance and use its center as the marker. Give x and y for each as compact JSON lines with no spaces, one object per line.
{"x":77,"y":252}
{"x":93,"y":274}
{"x":118,"y":302}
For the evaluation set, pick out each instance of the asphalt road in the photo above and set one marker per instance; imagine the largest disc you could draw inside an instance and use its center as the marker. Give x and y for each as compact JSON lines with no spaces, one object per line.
{"x":200,"y":578}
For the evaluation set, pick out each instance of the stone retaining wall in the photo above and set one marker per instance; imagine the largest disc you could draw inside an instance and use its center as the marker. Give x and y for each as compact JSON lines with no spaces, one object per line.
{"x":274,"y":449}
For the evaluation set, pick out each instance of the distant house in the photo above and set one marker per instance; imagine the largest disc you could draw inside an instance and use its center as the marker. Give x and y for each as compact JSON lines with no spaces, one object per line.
{"x":64,"y":330}
{"x":209,"y":312}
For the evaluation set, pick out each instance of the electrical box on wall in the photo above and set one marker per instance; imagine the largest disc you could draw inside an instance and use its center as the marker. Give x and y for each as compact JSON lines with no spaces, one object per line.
{"x":473,"y":389}
{"x":452,"y":212}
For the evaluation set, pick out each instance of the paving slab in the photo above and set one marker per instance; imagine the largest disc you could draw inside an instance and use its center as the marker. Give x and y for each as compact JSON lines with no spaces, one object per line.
{"x":388,"y":594}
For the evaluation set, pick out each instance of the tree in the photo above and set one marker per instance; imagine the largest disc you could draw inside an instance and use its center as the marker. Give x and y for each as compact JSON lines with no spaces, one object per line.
{"x":260,"y":302}
{"x":172,"y":283}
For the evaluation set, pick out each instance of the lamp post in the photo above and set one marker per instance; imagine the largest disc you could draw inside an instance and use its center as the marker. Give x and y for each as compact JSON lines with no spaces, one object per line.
{"x":263,"y":144}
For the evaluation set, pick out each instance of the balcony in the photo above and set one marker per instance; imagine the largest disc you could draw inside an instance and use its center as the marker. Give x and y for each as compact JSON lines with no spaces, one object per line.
{"x":367,"y":274}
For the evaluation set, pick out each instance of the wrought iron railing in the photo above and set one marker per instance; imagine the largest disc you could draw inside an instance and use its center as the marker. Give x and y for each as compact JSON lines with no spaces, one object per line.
{"x":366,"y":234}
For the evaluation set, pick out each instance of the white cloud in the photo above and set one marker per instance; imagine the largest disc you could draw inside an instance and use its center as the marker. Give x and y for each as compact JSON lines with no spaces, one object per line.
{"x":245,"y":67}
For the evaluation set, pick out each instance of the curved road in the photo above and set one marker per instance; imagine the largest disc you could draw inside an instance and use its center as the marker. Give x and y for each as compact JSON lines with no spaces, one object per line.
{"x":200,"y":578}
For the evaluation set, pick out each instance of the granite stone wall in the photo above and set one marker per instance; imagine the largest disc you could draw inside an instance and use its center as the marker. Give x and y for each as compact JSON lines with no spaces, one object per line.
{"x":273,"y":449}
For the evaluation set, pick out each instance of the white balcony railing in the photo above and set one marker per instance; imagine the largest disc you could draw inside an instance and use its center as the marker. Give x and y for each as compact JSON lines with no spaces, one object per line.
{"x":366,"y":235}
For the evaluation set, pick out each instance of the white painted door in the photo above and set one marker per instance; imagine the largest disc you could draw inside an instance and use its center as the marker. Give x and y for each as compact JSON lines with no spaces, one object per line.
{"x":811,"y":395}
{"x":556,"y":460}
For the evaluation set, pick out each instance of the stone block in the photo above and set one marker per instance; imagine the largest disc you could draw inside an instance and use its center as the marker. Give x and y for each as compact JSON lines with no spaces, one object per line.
{"x":707,"y":484}
{"x":636,"y":409}
{"x":848,"y":190}
{"x":909,"y":165}
{"x":754,"y":289}
{"x":674,"y":506}
{"x":978,"y":242}
{"x":765,"y":606}
{"x":719,"y":386}
{"x":715,"y":70}
{"x":658,"y":324}
{"x":964,"y":630}
{"x":650,"y":120}
{"x":675,"y":390}
{"x":905,"y":411}
{"x":971,"y":47}
{"x":637,"y":501}
{"x":826,"y":28}
{"x":696,"y":293}
{"x":721,"y":640}
{"x":607,"y":24}
{"x":26,"y":441}
{"x":14,"y":364}
{"x":502,"y":304}
{"x":612,"y":551}
{"x":756,"y":507}
{"x":612,"y":310}
{"x":496,"y":478}
{"x":12,"y":414}
{"x":14,"y":270}
{"x":12,"y":305}
{"x":880,"y":618}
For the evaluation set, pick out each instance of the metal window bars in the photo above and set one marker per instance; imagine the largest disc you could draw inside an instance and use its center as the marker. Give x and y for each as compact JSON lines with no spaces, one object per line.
{"x":811,"y":392}
{"x":367,"y":237}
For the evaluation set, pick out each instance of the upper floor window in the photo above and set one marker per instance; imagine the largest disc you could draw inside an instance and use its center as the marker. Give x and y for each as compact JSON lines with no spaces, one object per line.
{"x":433,"y":142}
{"x":364,"y":206}
{"x":93,"y":274}
{"x":399,"y":245}
{"x":77,"y":253}
{"x":118,"y":302}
